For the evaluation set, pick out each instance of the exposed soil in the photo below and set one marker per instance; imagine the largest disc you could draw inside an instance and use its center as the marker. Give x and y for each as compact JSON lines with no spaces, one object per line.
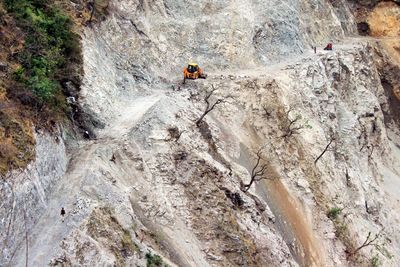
{"x":384,"y":20}
{"x":291,"y":220}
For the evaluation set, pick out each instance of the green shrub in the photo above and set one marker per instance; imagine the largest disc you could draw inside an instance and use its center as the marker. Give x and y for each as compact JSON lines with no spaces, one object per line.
{"x":333,"y":213}
{"x":49,"y":47}
{"x":154,"y":260}
{"x":127,"y":242}
{"x":43,"y":87}
{"x":375,"y":261}
{"x":19,"y":74}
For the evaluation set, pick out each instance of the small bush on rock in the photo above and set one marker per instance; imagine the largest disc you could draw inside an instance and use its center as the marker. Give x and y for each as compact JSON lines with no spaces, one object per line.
{"x":49,"y":47}
{"x":154,"y":260}
{"x":333,"y":213}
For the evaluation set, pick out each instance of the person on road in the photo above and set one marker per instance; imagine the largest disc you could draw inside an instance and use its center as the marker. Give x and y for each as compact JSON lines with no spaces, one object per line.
{"x":62,"y":213}
{"x":328,"y":46}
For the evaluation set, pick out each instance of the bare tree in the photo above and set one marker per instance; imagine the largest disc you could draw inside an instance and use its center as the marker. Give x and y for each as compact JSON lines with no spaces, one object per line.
{"x":369,"y":241}
{"x":258,"y":171}
{"x":292,"y":125}
{"x":209,"y":106}
{"x":326,"y":149}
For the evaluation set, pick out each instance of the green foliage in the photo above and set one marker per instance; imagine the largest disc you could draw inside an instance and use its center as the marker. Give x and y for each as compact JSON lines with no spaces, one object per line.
{"x":42,"y":87}
{"x":49,"y":44}
{"x":154,"y":260}
{"x":127,"y":242}
{"x":333,"y":213}
{"x":375,"y":261}
{"x":19,"y":74}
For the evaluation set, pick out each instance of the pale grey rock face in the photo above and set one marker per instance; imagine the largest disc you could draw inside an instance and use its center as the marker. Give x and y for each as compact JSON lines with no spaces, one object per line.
{"x":135,"y":189}
{"x":24,"y":194}
{"x":145,"y":44}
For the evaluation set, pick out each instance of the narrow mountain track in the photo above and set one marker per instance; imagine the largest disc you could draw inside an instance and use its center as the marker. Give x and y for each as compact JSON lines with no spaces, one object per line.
{"x":49,"y":231}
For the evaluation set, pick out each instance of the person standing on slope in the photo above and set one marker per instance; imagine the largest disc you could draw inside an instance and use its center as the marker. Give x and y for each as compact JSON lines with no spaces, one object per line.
{"x":62,"y":213}
{"x":328,"y":46}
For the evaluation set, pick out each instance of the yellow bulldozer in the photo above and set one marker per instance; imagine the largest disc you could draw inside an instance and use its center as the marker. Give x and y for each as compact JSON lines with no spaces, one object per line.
{"x":193,"y":72}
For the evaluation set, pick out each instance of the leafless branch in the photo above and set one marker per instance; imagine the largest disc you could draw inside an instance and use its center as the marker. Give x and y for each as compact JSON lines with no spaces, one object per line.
{"x":326,"y":149}
{"x":291,"y":127}
{"x":369,"y":241}
{"x":362,"y":147}
{"x":209,"y":106}
{"x":258,"y":172}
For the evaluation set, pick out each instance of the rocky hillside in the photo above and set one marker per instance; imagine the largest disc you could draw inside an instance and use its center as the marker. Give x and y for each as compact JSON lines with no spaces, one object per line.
{"x":297,"y":164}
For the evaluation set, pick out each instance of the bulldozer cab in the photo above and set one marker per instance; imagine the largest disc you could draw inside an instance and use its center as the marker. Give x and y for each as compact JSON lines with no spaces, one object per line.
{"x":192,"y":67}
{"x":193,"y":72}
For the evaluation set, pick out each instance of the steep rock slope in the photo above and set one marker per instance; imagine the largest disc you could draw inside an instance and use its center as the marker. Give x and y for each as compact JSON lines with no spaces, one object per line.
{"x":136,"y":189}
{"x":145,"y":42}
{"x":178,"y":197}
{"x":25,"y":195}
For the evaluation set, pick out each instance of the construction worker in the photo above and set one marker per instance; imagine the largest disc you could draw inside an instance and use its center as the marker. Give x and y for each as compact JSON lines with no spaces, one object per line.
{"x":328,"y":46}
{"x":62,"y":213}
